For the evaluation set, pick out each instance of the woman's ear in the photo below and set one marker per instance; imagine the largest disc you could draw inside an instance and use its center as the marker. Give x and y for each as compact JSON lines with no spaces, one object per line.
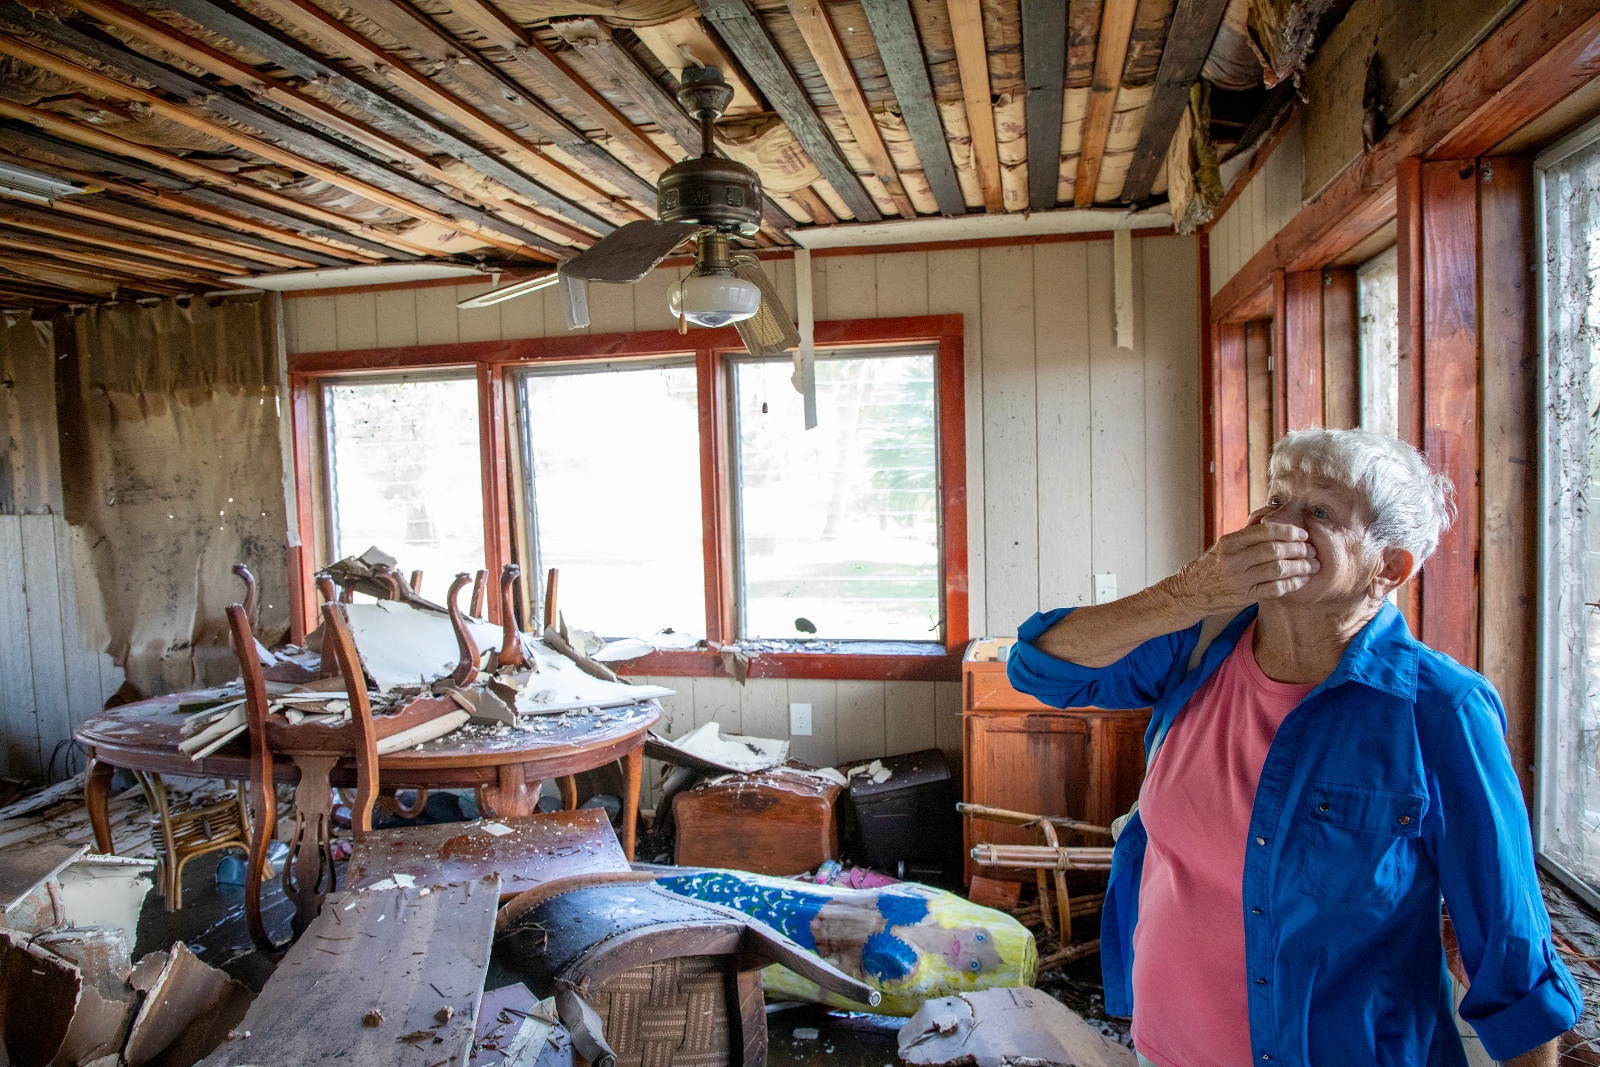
{"x":1394,"y":569}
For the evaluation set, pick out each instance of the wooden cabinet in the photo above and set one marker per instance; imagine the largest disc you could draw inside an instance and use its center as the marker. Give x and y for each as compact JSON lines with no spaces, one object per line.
{"x":1083,"y":763}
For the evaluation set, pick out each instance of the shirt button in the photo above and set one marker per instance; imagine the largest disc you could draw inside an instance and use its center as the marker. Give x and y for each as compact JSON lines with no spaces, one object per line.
{"x":1266,"y":1055}
{"x":1255,"y":911}
{"x":1261,"y":840}
{"x":1261,"y":981}
{"x":1405,"y":820}
{"x":1323,"y":806}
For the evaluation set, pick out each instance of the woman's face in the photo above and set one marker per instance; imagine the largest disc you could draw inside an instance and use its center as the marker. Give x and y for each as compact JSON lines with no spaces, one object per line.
{"x":1335,"y":519}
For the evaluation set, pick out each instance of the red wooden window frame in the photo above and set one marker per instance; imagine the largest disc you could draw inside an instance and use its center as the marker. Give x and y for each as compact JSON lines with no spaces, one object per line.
{"x":493,"y":361}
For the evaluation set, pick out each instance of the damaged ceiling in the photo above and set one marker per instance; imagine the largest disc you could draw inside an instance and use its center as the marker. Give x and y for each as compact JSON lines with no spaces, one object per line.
{"x":162,"y":147}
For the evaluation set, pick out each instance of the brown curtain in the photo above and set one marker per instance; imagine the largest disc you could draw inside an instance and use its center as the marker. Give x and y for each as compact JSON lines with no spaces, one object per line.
{"x":171,"y":465}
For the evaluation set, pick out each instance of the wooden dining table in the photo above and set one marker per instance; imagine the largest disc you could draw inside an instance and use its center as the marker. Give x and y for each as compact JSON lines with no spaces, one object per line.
{"x":506,"y":767}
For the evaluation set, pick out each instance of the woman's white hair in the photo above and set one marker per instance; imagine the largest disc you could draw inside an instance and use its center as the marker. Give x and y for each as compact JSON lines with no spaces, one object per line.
{"x":1410,"y":505}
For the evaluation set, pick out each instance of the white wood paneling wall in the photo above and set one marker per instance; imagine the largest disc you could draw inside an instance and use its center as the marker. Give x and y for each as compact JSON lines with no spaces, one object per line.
{"x":1261,"y":209}
{"x":1081,"y":457}
{"x":50,"y":680}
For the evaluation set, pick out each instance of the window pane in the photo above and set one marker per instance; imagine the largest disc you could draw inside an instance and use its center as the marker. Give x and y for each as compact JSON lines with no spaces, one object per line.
{"x":615,"y":461}
{"x":1570,"y":828}
{"x":840,"y":525}
{"x":406,"y":475}
{"x":1378,"y":295}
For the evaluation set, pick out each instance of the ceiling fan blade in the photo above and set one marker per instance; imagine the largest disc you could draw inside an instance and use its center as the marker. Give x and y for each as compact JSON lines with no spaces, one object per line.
{"x":509,"y":292}
{"x":630,"y":252}
{"x":770,"y":331}
{"x":574,"y":301}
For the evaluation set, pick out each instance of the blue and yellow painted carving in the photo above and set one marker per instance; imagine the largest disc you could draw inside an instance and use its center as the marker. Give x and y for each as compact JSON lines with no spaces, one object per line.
{"x":910,"y":942}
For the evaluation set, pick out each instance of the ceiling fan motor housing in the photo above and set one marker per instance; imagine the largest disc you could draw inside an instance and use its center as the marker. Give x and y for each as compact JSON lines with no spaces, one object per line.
{"x":709,"y":190}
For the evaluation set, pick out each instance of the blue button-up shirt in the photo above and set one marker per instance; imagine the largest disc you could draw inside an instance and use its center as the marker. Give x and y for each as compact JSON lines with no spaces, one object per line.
{"x":1388,"y":787}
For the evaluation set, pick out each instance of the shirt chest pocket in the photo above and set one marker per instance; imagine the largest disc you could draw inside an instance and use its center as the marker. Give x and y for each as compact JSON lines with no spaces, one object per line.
{"x":1356,"y":844}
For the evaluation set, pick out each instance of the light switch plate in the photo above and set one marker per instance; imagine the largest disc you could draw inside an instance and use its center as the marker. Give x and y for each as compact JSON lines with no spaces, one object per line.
{"x":1105,"y":587}
{"x":800,"y":720}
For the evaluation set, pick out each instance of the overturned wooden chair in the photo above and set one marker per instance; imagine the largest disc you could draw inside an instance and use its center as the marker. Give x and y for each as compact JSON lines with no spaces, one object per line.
{"x":645,"y":978}
{"x":1050,"y":860}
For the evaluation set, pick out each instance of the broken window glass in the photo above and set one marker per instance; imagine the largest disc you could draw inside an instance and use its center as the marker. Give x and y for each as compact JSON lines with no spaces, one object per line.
{"x":1378,"y":298}
{"x":839,"y":526}
{"x":613,"y":478}
{"x":404,"y":473}
{"x":1570,"y":787}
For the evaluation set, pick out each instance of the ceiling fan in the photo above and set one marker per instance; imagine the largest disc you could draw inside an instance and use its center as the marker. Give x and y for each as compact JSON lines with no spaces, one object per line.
{"x":708,"y":200}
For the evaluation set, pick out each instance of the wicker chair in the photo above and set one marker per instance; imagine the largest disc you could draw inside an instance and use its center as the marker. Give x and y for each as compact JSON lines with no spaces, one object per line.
{"x":184,"y":829}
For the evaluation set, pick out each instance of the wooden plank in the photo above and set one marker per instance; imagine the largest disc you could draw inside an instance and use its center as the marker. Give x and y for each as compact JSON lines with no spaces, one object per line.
{"x":141,"y":219}
{"x":1044,"y":66}
{"x":1409,"y":245}
{"x":436,"y":942}
{"x":396,"y":315}
{"x":41,"y":587}
{"x":1318,"y":234}
{"x":746,"y":36}
{"x":1233,"y":421}
{"x":1111,"y":52}
{"x":1010,"y":434}
{"x":118,"y":240}
{"x":1450,"y":399}
{"x":1117,"y":399}
{"x":901,"y":50}
{"x":593,"y":38}
{"x":764,"y":707}
{"x":910,"y":710}
{"x":954,"y":287}
{"x":1189,"y":38}
{"x":811,"y":18}
{"x":1258,"y":392}
{"x":1512,"y":399}
{"x":902,"y":283}
{"x":1341,"y":349}
{"x":19,"y":727}
{"x":859,"y":729}
{"x":27,"y":868}
{"x":851,"y":283}
{"x":1166,"y":287}
{"x":972,"y":59}
{"x":355,"y":319}
{"x":1302,"y":351}
{"x":84,"y":697}
{"x":1064,"y":423}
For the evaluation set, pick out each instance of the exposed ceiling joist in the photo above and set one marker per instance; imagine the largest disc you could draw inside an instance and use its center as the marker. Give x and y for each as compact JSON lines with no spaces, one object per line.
{"x":901,"y":51}
{"x":1044,"y":67}
{"x":93,"y":280}
{"x":227,"y":209}
{"x":745,"y":35}
{"x":972,"y":59}
{"x":277,"y":47}
{"x":823,"y":39}
{"x":36,"y":220}
{"x":530,"y":52}
{"x":592,"y":38}
{"x":1111,"y":53}
{"x":67,"y":251}
{"x":1194,"y":28}
{"x":199,"y":234}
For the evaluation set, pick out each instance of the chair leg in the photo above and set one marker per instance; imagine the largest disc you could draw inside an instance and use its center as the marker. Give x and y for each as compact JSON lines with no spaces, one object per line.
{"x":569,"y":793}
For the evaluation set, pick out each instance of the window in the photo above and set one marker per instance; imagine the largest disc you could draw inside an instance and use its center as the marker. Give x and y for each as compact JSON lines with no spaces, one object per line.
{"x":839,"y":525}
{"x":403,"y":472}
{"x":613,"y":473}
{"x":1378,"y":300}
{"x":1569,"y":786}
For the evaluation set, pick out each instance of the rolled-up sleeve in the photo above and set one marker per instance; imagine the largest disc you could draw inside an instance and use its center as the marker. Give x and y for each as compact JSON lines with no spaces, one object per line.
{"x":1521,"y":994}
{"x":1137,"y":680}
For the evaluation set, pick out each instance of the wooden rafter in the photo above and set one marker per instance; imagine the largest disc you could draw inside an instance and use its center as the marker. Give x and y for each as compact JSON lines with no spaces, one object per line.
{"x":494,"y":88}
{"x":137,"y":281}
{"x":278,"y":250}
{"x":1044,"y":67}
{"x":901,"y":50}
{"x":529,"y":52}
{"x":1116,"y":27}
{"x":593,"y":40}
{"x":266,"y":216}
{"x":823,"y":40}
{"x":972,"y":59}
{"x":746,"y":36}
{"x":1194,"y":27}
{"x":36,"y":220}
{"x":307,"y":148}
{"x":68,"y":251}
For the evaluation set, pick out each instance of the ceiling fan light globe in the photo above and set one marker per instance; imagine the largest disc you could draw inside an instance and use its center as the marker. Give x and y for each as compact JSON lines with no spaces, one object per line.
{"x":714,"y":300}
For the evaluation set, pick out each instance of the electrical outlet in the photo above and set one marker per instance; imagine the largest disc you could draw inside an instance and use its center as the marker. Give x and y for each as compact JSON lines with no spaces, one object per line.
{"x":1105,"y":587}
{"x":799,"y":720}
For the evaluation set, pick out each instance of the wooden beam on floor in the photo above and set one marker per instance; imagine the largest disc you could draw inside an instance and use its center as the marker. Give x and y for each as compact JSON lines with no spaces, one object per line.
{"x":529,"y":52}
{"x":1044,"y":68}
{"x":972,"y":60}
{"x":1193,"y":29}
{"x":742,"y":30}
{"x":901,"y":50}
{"x":822,"y":38}
{"x":1111,"y":52}
{"x":495,"y":89}
{"x":306,"y":147}
{"x":267,"y":41}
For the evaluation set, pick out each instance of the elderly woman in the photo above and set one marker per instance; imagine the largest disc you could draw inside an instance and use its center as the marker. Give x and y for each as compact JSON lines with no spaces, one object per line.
{"x":1317,"y":781}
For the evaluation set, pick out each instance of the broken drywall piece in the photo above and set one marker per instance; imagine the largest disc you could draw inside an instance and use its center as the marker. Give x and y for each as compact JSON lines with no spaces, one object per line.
{"x":736,"y":755}
{"x":49,"y":1015}
{"x":402,"y":645}
{"x":560,"y":684}
{"x":190,"y":1008}
{"x":105,"y":1003}
{"x":1006,"y":1028}
{"x":485,"y":705}
{"x":107,"y":891}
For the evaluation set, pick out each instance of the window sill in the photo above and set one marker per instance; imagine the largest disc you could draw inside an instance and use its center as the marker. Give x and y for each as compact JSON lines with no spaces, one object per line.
{"x":877,"y":661}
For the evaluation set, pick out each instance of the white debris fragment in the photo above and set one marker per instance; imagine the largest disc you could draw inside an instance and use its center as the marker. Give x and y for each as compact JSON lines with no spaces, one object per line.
{"x":498,"y":829}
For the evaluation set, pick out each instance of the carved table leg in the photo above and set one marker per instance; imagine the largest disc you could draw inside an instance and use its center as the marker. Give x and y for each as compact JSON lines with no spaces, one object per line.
{"x":512,"y":796}
{"x":97,"y":798}
{"x":310,"y":861}
{"x":633,"y":762}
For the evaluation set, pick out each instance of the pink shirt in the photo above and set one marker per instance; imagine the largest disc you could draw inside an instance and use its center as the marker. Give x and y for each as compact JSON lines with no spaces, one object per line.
{"x":1190,"y":991}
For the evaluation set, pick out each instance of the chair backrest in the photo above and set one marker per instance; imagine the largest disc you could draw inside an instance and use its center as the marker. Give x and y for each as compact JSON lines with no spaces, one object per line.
{"x":336,"y":630}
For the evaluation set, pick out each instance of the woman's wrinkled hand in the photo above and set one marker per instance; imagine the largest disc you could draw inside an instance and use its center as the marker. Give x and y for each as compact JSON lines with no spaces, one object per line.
{"x":1263,"y":561}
